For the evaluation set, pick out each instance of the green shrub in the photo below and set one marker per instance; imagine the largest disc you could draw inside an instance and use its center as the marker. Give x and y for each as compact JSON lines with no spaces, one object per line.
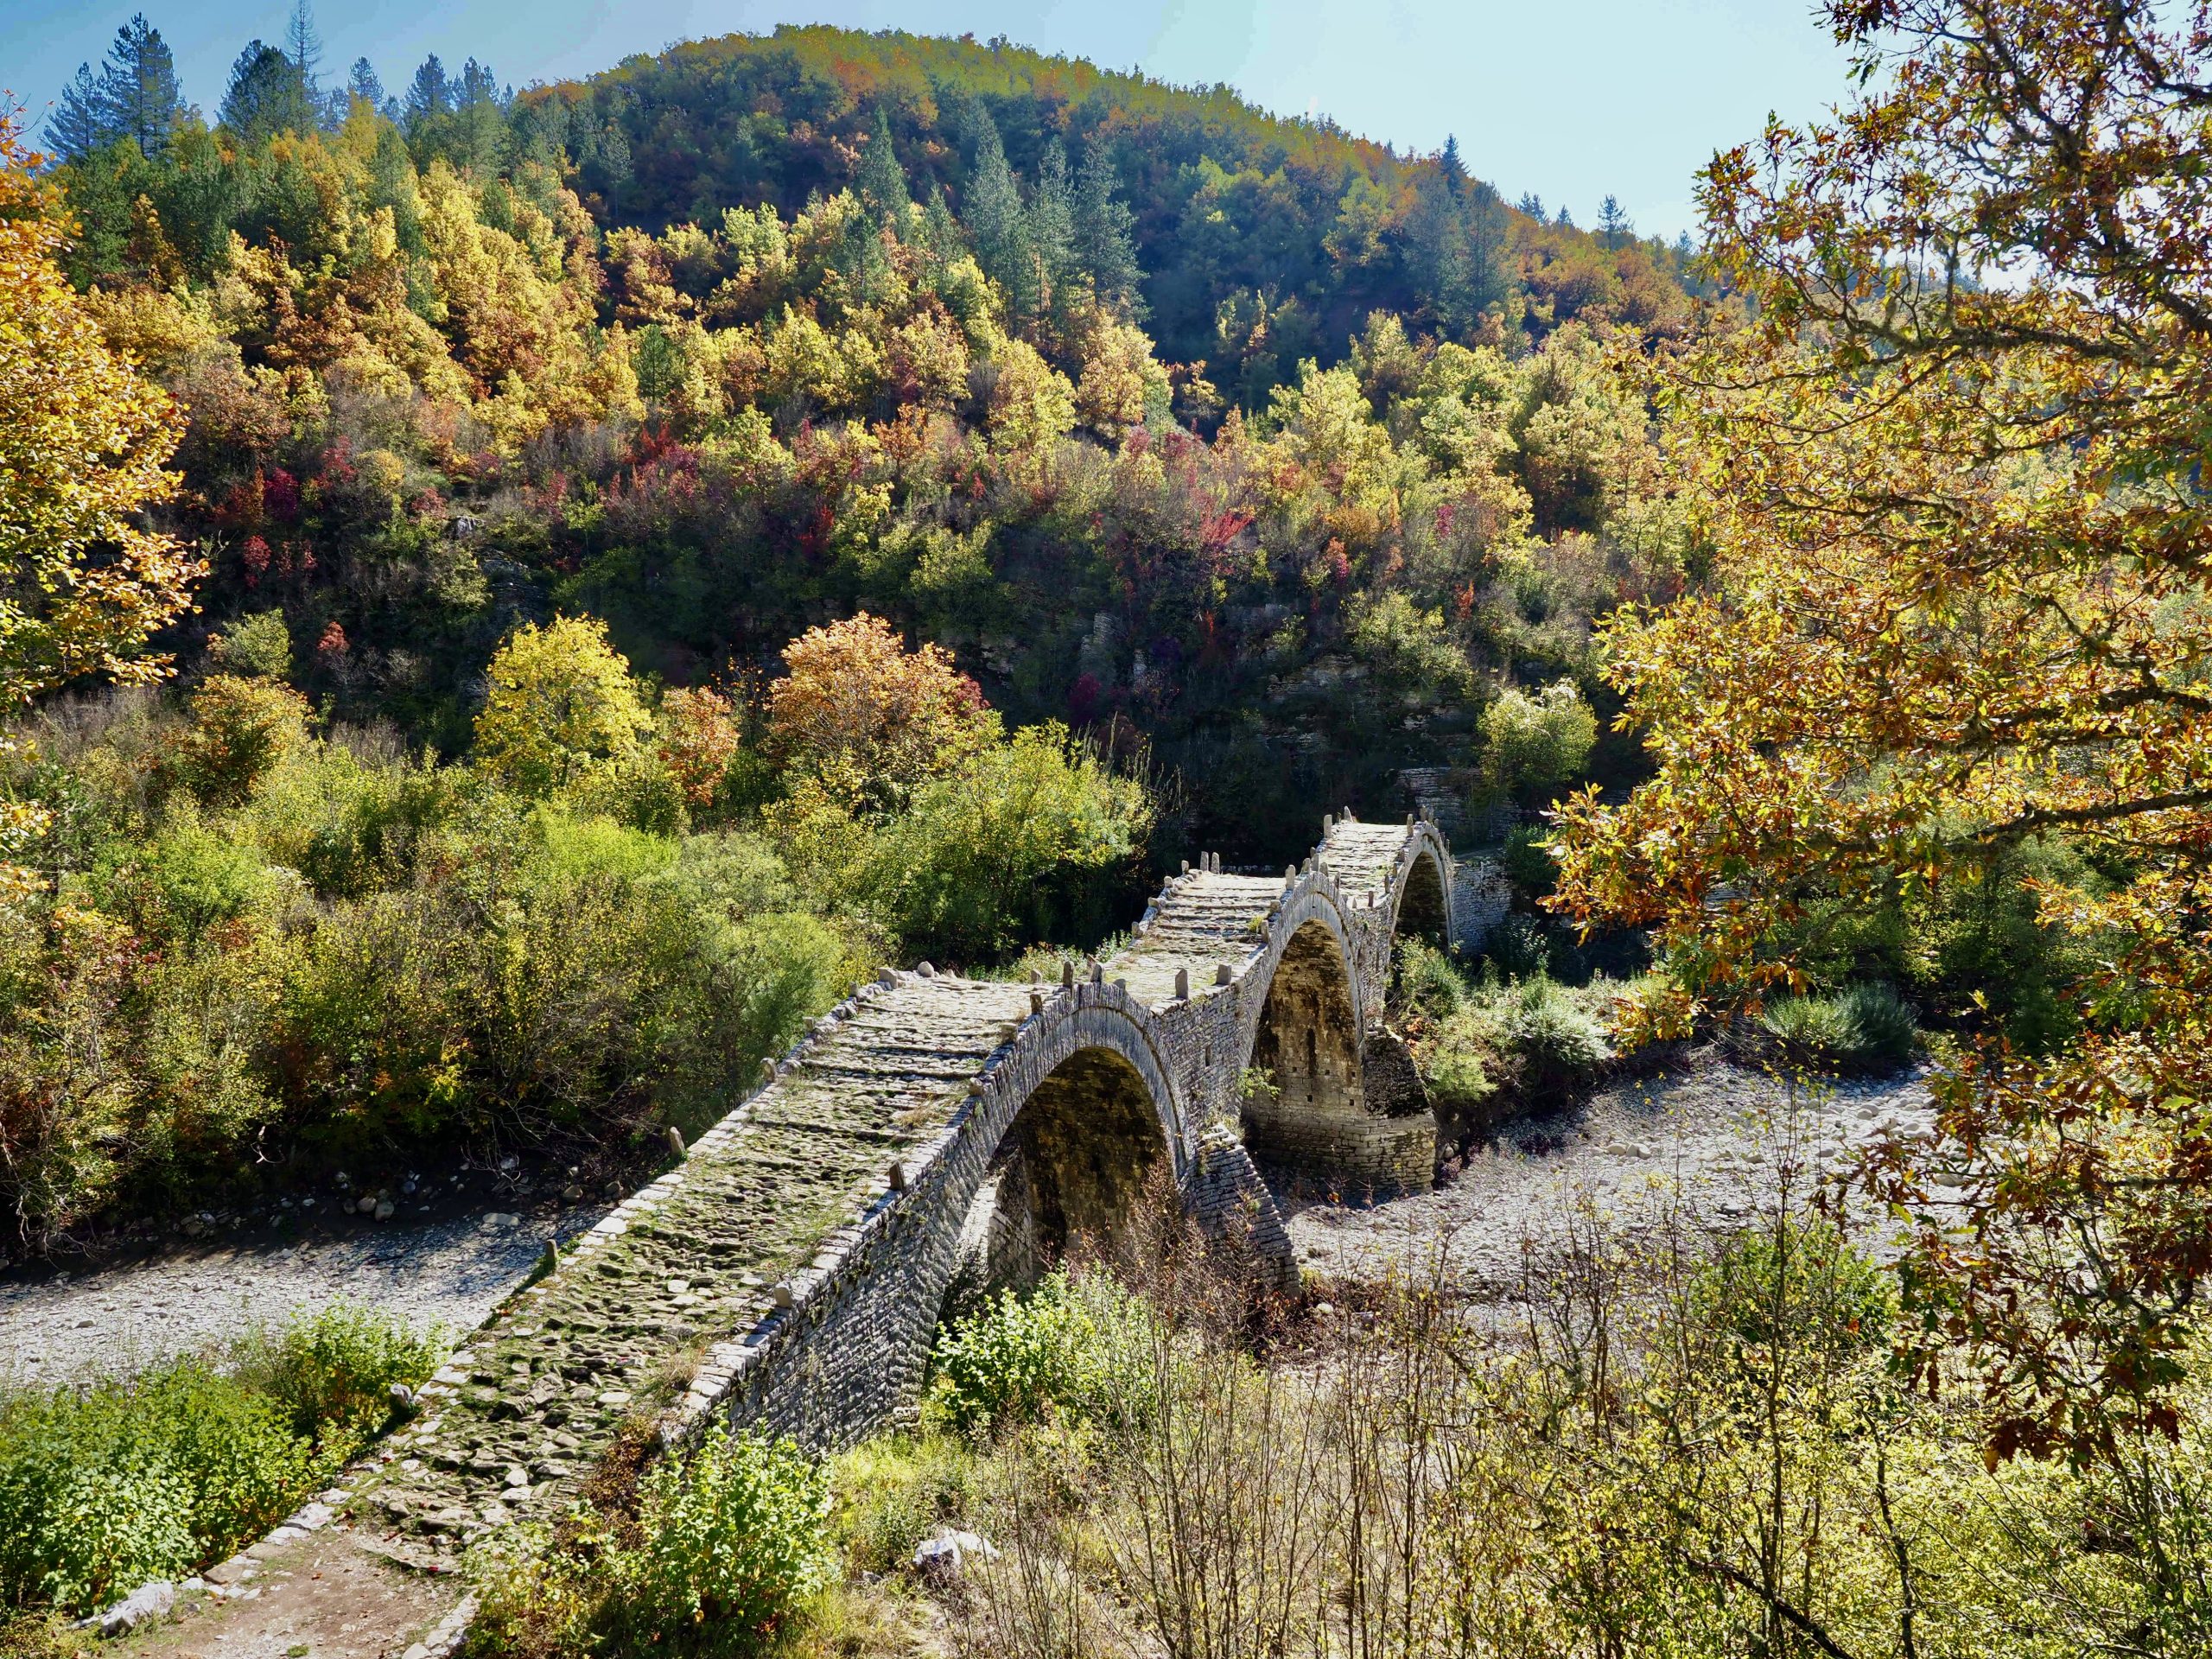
{"x":257,"y":644}
{"x":241,"y":730}
{"x":1883,"y":1029}
{"x":637,"y":789}
{"x":201,"y":878}
{"x":1070,"y":1350}
{"x":104,"y":1489}
{"x":333,"y":1371}
{"x":734,"y":1541}
{"x":1535,"y":742}
{"x":1802,"y":1280}
{"x":1519,"y":948}
{"x":1427,"y":984}
{"x":1458,"y":1066}
{"x":1033,"y":838}
{"x":1533,"y":1038}
{"x":1868,"y":1027}
{"x":1807,"y":1026}
{"x":1553,"y":1041}
{"x":1979,"y":948}
{"x":1527,"y":862}
{"x":106,"y":1486}
{"x":80,"y":1535}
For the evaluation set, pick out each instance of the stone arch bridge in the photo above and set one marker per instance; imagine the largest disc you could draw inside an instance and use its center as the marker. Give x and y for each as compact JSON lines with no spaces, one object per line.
{"x":934,"y":1130}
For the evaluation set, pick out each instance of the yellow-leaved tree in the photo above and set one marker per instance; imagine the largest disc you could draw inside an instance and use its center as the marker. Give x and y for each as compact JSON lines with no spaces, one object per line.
{"x":561,"y":707}
{"x":83,"y":438}
{"x":84,"y":582}
{"x":1951,"y":479}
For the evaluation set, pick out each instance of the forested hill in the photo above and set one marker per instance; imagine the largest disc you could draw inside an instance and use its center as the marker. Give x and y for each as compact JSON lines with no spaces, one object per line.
{"x":1178,"y":421}
{"x":1262,"y":241}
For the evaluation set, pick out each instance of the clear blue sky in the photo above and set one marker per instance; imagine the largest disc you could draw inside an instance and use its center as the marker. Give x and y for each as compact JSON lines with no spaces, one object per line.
{"x":1570,"y":99}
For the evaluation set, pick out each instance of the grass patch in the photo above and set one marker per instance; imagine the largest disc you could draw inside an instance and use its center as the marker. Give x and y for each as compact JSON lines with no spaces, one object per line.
{"x":105,"y":1486}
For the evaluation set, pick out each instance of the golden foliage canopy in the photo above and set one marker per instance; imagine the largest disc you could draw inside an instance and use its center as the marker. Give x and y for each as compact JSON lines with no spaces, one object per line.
{"x":84,"y":581}
{"x":562,"y":706}
{"x":867,"y":717}
{"x":1950,"y":484}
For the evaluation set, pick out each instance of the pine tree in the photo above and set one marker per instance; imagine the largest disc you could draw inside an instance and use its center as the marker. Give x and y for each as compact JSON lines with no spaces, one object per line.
{"x":879,"y":182}
{"x":134,"y":96}
{"x":78,"y":123}
{"x":1533,"y":204}
{"x":363,"y":82}
{"x":266,"y":96}
{"x":1105,"y":239}
{"x":1614,"y":224}
{"x":429,"y":94}
{"x":997,"y":222}
{"x":477,"y":143}
{"x":1052,"y":221}
{"x":880,"y":190}
{"x":940,"y":234}
{"x":392,"y":184}
{"x":143,"y":99}
{"x":478,"y":87}
{"x":1564,"y":220}
{"x":302,"y":45}
{"x":1454,"y":170}
{"x":1436,"y":255}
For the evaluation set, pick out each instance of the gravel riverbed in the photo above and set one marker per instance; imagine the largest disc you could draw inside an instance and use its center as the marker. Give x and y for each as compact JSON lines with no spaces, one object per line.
{"x":65,"y":1325}
{"x":1704,"y":1130}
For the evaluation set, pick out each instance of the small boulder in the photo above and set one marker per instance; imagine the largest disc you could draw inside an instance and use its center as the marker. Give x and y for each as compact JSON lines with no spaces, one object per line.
{"x":946,"y":1555}
{"x":143,"y":1606}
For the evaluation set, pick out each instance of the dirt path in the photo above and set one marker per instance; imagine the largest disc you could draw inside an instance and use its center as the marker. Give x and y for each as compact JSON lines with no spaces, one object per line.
{"x":1717,"y":1129}
{"x":451,"y":1271}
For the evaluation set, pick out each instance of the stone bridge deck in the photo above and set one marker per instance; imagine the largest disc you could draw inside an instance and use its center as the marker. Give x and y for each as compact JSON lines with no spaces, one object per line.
{"x":699,"y":1252}
{"x":792,"y":1268}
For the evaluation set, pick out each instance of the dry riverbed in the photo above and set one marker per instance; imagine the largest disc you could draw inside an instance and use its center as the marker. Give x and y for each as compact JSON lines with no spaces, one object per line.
{"x":64,"y":1324}
{"x":1706,"y":1128}
{"x":1716,"y":1133}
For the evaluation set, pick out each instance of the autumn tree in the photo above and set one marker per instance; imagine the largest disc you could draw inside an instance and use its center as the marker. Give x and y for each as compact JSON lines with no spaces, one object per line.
{"x":870,"y":719}
{"x":83,"y":438}
{"x":699,"y":738}
{"x":1950,"y":483}
{"x":561,"y":707}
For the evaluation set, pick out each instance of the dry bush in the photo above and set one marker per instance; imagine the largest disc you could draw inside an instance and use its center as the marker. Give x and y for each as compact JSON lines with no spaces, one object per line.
{"x":1681,"y":1436}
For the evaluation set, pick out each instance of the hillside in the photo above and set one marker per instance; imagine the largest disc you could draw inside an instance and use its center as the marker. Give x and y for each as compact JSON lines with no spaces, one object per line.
{"x":1262,"y":241}
{"x":680,"y":347}
{"x":618,"y":563}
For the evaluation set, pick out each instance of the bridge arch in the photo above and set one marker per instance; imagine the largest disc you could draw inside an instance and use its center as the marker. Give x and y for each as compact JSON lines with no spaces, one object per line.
{"x":1421,"y":898}
{"x":1303,"y":1076}
{"x":1087,"y":1118}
